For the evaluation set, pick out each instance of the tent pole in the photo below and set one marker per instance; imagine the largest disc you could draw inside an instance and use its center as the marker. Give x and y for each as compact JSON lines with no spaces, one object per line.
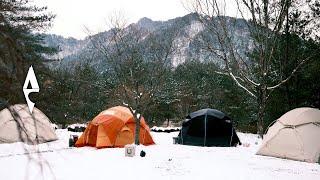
{"x":181,"y":135}
{"x":205,"y":130}
{"x":231,"y":135}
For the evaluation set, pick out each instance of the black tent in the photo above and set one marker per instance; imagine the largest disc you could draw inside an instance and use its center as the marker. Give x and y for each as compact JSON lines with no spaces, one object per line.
{"x":208,"y":127}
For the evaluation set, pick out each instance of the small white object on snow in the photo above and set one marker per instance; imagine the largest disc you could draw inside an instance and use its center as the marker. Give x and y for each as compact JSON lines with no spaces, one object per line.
{"x":130,"y":150}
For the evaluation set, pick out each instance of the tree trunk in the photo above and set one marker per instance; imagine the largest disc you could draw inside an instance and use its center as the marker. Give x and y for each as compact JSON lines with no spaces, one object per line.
{"x":260,"y":129}
{"x":168,"y":122}
{"x":262,"y":100}
{"x":137,"y":130}
{"x":288,"y":96}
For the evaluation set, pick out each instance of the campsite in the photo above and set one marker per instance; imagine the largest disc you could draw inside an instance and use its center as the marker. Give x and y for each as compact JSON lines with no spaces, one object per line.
{"x":164,"y":160}
{"x":161,"y":89}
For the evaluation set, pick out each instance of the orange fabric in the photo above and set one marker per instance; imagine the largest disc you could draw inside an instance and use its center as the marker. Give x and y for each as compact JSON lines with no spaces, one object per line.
{"x":114,"y":127}
{"x":102,"y":138}
{"x":125,"y":136}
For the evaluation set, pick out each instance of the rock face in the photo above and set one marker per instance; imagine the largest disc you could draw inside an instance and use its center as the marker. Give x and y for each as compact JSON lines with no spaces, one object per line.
{"x":183,"y":31}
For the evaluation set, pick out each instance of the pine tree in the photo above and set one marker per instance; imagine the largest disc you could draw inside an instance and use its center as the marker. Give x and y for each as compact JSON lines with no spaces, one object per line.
{"x":20,"y":46}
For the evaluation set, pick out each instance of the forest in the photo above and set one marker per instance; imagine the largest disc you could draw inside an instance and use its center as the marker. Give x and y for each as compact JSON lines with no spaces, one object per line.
{"x":278,"y":73}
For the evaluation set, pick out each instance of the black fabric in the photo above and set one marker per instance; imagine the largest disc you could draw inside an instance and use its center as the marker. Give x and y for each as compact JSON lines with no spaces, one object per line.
{"x":198,"y":125}
{"x":210,"y":112}
{"x":208,"y":127}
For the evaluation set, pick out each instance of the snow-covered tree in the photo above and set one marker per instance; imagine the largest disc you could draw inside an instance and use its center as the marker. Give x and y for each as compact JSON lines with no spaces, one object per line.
{"x":138,"y":69}
{"x":267,"y":21}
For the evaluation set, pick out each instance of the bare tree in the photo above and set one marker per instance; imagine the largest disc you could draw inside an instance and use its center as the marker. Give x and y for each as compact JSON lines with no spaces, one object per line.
{"x":255,"y":71}
{"x":138,"y":61}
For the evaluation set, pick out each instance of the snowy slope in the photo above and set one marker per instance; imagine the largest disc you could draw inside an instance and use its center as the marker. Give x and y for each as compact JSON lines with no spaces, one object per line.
{"x":185,"y":33}
{"x":163,"y":161}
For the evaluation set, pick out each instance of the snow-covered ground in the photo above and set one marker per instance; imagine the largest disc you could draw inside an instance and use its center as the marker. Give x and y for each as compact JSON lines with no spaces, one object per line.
{"x":163,"y":161}
{"x":165,"y":129}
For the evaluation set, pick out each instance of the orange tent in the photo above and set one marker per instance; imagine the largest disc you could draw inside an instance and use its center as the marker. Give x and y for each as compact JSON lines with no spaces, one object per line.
{"x":114,"y":127}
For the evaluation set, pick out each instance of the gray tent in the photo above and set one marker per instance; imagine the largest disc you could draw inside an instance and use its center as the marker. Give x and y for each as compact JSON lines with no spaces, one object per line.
{"x":295,"y":135}
{"x":18,"y":125}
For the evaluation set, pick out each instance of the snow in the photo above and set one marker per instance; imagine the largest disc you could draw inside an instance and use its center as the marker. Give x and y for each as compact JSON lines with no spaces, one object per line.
{"x":165,"y":129}
{"x":77,"y":125}
{"x":164,"y":160}
{"x":182,"y":42}
{"x":54,"y":126}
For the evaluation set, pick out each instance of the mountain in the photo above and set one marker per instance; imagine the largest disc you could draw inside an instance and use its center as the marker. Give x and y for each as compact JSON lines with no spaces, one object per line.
{"x":185,"y":33}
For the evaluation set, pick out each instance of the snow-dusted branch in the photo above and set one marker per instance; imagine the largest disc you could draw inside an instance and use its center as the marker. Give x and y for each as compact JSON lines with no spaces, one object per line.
{"x":227,"y":74}
{"x":291,"y":75}
{"x":240,"y":85}
{"x":251,"y":81}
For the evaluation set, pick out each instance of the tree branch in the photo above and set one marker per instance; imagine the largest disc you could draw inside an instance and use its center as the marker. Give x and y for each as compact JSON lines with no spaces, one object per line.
{"x":291,"y":75}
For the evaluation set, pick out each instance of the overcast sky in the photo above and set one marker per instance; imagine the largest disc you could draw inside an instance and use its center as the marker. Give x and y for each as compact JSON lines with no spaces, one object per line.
{"x":72,"y":16}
